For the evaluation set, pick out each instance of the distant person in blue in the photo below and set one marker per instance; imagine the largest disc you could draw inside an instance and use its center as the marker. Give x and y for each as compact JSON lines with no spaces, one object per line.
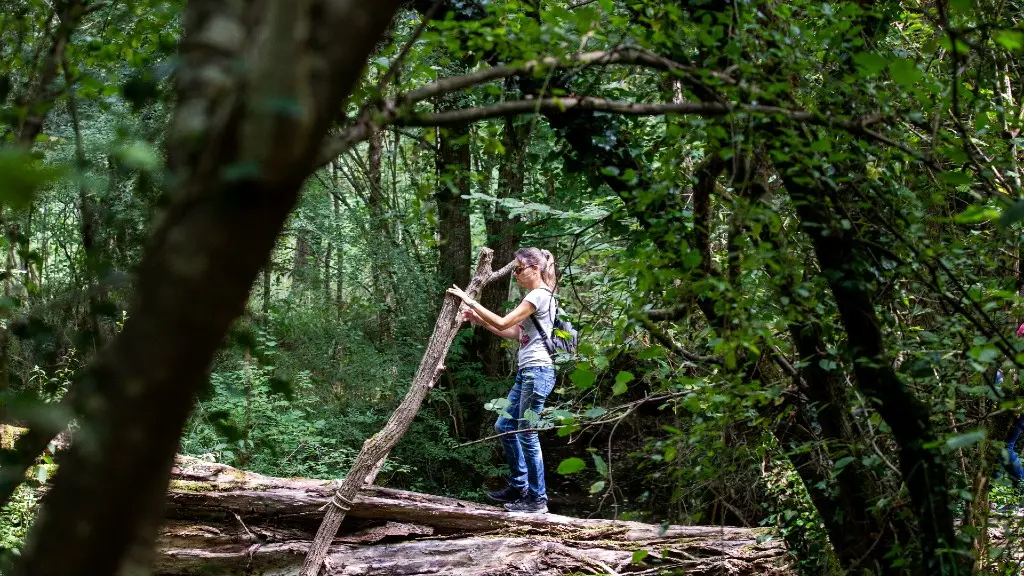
{"x":1012,"y":464}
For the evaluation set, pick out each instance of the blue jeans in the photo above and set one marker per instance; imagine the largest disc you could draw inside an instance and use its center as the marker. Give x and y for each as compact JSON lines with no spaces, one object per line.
{"x":1013,"y":464}
{"x":522,"y":451}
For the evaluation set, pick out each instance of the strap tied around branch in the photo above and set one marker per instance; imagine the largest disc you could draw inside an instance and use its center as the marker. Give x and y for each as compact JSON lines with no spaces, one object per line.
{"x":339,"y":502}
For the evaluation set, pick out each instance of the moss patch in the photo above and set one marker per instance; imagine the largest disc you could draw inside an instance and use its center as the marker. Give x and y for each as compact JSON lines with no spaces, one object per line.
{"x":192,"y":486}
{"x":8,"y":435}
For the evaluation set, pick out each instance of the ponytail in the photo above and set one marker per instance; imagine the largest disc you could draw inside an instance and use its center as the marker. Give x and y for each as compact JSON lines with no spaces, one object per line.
{"x":544,"y":260}
{"x":547,"y":272}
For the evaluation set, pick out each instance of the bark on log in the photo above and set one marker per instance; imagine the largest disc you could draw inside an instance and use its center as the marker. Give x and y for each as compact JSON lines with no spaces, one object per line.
{"x":225,"y":521}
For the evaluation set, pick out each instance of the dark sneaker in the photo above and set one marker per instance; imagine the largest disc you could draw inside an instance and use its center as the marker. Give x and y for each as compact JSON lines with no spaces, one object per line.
{"x":528,"y":505}
{"x":506,"y":494}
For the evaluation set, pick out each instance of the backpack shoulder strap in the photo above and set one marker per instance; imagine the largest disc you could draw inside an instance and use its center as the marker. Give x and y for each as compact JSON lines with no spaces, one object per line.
{"x":553,"y":307}
{"x":548,"y":345}
{"x":543,"y":335}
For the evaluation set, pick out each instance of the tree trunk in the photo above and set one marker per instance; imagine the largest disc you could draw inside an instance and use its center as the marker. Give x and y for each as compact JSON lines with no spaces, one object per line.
{"x":221,"y":520}
{"x":339,"y":278}
{"x":131,"y":403}
{"x":87,"y":214}
{"x":844,"y":264}
{"x":302,"y":266}
{"x":40,"y":97}
{"x":504,"y":235}
{"x":384,"y":282}
{"x":453,"y":182}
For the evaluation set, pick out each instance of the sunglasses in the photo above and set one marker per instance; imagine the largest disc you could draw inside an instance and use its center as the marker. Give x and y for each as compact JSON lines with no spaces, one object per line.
{"x":519,"y":269}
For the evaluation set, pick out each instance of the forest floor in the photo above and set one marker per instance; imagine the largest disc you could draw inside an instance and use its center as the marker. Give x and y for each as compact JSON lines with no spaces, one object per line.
{"x":1006,"y":530}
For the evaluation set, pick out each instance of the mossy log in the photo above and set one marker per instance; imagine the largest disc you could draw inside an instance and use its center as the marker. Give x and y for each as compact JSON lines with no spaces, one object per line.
{"x":225,"y":521}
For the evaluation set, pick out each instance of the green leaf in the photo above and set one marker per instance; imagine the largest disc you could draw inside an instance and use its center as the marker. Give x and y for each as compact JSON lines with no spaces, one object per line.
{"x":571,"y":466}
{"x":22,"y":176}
{"x":497,"y":405}
{"x":976,"y":215}
{"x":621,"y":380}
{"x":595,"y":412}
{"x":985,"y":354}
{"x":956,"y":178}
{"x":822,"y":145}
{"x":639,"y":556}
{"x":654,"y":351}
{"x":961,"y":5}
{"x":567,"y":430}
{"x":1012,"y":40}
{"x":583,"y":378}
{"x":531,"y":417}
{"x":905,"y":72}
{"x":842,"y":462}
{"x":597,"y":487}
{"x":964,"y":440}
{"x":138,"y":155}
{"x":869,"y":63}
{"x":599,"y":464}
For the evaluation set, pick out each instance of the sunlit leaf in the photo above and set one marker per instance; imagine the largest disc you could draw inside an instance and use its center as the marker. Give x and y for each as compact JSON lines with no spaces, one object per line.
{"x":571,"y":466}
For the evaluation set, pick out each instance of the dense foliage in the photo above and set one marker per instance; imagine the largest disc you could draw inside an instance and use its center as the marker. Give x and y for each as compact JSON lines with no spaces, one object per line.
{"x":790,"y":233}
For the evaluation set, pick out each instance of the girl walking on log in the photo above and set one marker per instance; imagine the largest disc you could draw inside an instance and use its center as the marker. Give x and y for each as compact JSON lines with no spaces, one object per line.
{"x":535,"y":272}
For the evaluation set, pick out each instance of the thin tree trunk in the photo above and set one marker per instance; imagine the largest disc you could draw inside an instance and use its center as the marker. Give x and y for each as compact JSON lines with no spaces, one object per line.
{"x":453,"y":182}
{"x":328,"y":277}
{"x":87,"y":215}
{"x":377,"y":447}
{"x":384,"y":282}
{"x":504,"y":234}
{"x":41,"y":97}
{"x":301,"y":265}
{"x":339,"y":280}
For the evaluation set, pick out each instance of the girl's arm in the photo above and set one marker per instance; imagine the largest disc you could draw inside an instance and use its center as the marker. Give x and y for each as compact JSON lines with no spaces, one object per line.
{"x":491,"y":319}
{"x":474,"y":318}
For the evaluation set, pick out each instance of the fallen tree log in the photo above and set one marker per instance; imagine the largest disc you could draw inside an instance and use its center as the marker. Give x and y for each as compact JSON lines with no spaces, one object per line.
{"x":221,"y":520}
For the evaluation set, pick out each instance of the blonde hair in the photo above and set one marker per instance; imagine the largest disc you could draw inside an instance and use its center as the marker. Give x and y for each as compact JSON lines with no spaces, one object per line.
{"x":543,"y":260}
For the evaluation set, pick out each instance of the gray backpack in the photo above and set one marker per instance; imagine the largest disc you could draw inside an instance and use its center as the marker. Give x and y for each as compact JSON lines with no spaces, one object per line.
{"x":564,"y":337}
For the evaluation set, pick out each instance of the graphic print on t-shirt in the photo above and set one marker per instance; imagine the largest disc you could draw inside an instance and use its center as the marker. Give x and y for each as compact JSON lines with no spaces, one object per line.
{"x":524,"y":338}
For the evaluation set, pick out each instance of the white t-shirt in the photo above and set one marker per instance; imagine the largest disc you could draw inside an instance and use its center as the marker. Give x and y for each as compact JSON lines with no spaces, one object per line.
{"x":532,"y":351}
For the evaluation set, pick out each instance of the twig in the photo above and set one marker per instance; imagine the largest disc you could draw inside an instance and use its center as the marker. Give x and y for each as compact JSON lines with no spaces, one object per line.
{"x":393,"y":69}
{"x":622,"y":55}
{"x":239,"y":518}
{"x":671,"y":314}
{"x":665,"y":339}
{"x":611,"y":479}
{"x":559,"y":105}
{"x":394,"y":111}
{"x":629,"y":407}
